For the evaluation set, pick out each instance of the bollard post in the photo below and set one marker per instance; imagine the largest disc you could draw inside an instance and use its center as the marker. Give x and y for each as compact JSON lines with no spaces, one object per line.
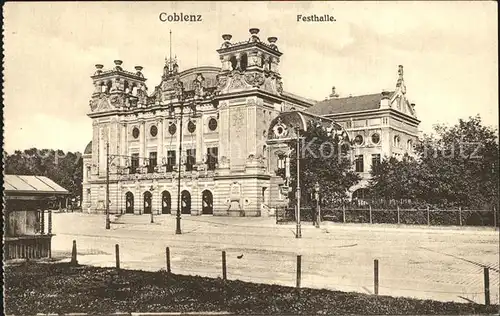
{"x":73,"y":254}
{"x":152,"y":220}
{"x":167,"y":254}
{"x":299,"y":268}
{"x":370,"y":206}
{"x":399,"y":218}
{"x":375,"y":276}
{"x":117,"y":254}
{"x":428,"y":217}
{"x":495,"y":217}
{"x":460,"y":215}
{"x":486,"y":286}
{"x":224,"y":271}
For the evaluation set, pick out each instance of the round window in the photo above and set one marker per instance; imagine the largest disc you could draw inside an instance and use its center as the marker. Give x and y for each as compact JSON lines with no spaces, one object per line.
{"x":135,"y":132}
{"x":191,"y":126}
{"x":212,"y":124}
{"x":375,"y":138}
{"x":172,"y":129}
{"x":358,"y":140}
{"x":153,"y":130}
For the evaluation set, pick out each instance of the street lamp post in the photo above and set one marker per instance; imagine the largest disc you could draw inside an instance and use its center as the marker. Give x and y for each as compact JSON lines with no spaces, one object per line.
{"x":178,"y":217}
{"x":178,"y":230}
{"x":107,"y":186}
{"x":298,"y":228}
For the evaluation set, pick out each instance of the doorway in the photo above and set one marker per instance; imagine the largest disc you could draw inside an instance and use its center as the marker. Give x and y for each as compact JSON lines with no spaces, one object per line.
{"x":129,"y":203}
{"x":207,"y":201}
{"x":166,"y":202}
{"x":147,"y":202}
{"x":185,"y":202}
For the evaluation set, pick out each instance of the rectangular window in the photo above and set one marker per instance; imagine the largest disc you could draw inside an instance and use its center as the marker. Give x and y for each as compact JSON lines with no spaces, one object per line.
{"x":281,"y":162}
{"x":171,"y":161}
{"x":375,"y":160}
{"x":134,"y":163}
{"x":359,"y":163}
{"x":152,"y":162}
{"x":190,"y":159}
{"x":212,"y":157}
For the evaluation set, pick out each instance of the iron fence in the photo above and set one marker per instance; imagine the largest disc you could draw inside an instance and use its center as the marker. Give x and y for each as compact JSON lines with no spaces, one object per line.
{"x":356,"y":213}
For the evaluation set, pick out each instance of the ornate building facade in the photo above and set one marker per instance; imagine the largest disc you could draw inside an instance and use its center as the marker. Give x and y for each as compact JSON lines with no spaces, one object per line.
{"x":220,"y":119}
{"x":380,"y":125}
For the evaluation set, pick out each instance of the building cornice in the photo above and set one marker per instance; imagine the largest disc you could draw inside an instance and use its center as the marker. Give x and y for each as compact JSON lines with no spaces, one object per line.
{"x":347,"y":115}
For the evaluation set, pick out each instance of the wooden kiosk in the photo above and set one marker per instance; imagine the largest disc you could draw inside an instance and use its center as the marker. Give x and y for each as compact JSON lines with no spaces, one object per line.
{"x":27,"y":199}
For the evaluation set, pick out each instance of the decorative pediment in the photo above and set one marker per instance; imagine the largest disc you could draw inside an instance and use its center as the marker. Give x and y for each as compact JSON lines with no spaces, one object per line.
{"x":255,"y":79}
{"x":237,"y":82}
{"x":100,"y":103}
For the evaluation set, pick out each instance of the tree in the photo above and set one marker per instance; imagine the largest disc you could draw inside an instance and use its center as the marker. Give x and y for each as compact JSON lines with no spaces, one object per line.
{"x":63,"y":168}
{"x":455,"y":166}
{"x":324,"y":160}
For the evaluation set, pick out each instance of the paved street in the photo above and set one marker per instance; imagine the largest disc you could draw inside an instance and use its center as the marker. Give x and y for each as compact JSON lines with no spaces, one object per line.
{"x":435,"y":263}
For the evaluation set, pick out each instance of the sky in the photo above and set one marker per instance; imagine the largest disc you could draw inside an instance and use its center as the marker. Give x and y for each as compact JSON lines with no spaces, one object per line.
{"x":448,"y":50}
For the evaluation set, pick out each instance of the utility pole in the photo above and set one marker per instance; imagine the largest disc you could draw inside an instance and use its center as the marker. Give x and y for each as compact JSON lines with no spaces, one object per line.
{"x":107,"y":186}
{"x":298,"y":233}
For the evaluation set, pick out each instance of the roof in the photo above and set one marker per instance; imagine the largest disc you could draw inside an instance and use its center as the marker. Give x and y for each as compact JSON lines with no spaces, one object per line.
{"x":35,"y":185}
{"x":88,"y":149}
{"x":294,"y":96}
{"x":349,"y":104}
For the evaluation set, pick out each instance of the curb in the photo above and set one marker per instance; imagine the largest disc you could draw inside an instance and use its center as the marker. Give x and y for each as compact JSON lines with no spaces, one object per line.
{"x":139,"y":314}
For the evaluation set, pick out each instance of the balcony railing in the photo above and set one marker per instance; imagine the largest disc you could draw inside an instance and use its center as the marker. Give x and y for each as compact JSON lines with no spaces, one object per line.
{"x":167,"y":171}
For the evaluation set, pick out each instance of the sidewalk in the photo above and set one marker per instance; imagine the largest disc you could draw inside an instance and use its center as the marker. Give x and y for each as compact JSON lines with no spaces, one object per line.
{"x":270,"y":222}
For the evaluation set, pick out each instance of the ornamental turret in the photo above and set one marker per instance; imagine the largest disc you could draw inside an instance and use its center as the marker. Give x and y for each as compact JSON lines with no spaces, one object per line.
{"x":249,"y":64}
{"x":117,"y":89}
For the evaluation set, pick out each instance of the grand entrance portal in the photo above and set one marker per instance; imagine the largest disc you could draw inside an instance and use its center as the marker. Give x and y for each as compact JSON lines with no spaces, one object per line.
{"x":147,"y":202}
{"x":207,"y":202}
{"x":129,"y":203}
{"x":185,"y":202}
{"x":166,"y":202}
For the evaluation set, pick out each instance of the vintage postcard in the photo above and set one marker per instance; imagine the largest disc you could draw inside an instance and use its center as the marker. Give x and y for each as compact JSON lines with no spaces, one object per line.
{"x":271,"y":158}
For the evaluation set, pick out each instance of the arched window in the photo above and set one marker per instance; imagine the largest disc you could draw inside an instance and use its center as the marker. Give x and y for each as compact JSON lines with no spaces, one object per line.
{"x":244,"y":62}
{"x":134,"y":90}
{"x":409,"y":144}
{"x":126,"y":87}
{"x":397,"y":141}
{"x":109,"y":84}
{"x":234,"y":62}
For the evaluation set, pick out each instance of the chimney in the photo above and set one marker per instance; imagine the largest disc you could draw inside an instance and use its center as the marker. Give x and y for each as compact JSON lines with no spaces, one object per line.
{"x":334,"y":94}
{"x":384,"y":102}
